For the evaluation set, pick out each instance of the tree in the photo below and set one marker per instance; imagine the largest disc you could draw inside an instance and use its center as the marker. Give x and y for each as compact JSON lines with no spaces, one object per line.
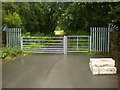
{"x":45,"y":17}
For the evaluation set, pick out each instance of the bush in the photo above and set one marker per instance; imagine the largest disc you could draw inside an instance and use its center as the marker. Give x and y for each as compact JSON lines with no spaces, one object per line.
{"x":79,"y":32}
{"x":9,"y":52}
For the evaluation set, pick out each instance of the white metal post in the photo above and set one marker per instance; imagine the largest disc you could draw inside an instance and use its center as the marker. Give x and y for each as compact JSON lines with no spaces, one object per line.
{"x":21,"y":43}
{"x":109,"y":29}
{"x":77,"y":43}
{"x":7,"y":37}
{"x":65,"y":44}
{"x":90,"y":43}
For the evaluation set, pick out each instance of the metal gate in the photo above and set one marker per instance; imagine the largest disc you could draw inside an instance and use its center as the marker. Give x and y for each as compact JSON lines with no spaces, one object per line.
{"x":42,"y":44}
{"x":78,"y":43}
{"x":55,"y":44}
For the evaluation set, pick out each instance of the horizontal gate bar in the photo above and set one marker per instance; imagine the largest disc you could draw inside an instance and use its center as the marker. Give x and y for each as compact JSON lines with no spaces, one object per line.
{"x":48,"y":50}
{"x":41,"y":37}
{"x":78,"y":40}
{"x":43,"y":48}
{"x":42,"y":43}
{"x":41,"y":52}
{"x":42,"y":40}
{"x":78,"y":36}
{"x":78,"y":51}
{"x":79,"y":46}
{"x":78,"y":43}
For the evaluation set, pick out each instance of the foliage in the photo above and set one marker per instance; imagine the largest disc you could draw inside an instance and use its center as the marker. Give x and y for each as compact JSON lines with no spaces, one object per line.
{"x":79,"y":32}
{"x":12,"y":20}
{"x":114,"y":14}
{"x":45,"y":17}
{"x":9,"y":52}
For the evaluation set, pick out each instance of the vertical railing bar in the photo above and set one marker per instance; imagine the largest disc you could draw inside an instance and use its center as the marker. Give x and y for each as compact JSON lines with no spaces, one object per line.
{"x":104,"y":40}
{"x":19,"y":37}
{"x":15,"y":37}
{"x":95,"y":39}
{"x":90,"y":40}
{"x":20,"y":32}
{"x":108,"y":39}
{"x":7,"y":37}
{"x":99,"y":39}
{"x":10,"y":36}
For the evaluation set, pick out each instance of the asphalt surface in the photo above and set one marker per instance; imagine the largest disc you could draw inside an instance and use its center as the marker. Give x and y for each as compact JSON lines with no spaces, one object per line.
{"x":54,"y":71}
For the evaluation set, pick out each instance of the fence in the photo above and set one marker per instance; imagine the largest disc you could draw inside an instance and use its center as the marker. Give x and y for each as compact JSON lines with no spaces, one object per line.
{"x":99,"y":39}
{"x":13,"y":37}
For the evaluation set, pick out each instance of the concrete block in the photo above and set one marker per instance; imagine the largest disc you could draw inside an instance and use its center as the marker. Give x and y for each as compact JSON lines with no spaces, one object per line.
{"x":103,"y":70}
{"x":102,"y":62}
{"x":102,"y":66}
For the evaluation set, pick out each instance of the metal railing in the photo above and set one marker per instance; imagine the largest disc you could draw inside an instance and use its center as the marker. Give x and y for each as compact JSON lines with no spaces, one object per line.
{"x":99,"y":39}
{"x":13,"y":36}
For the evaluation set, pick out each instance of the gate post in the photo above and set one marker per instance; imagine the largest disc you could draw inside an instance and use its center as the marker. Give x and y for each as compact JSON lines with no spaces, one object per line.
{"x":90,"y":48}
{"x":65,"y":44}
{"x":109,"y":30}
{"x":21,"y":43}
